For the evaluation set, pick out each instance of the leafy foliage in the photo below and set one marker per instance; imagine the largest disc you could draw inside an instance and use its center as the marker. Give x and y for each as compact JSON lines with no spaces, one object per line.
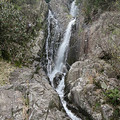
{"x":15,"y":30}
{"x":116,"y":114}
{"x":78,"y":2}
{"x":20,"y":23}
{"x":47,"y":1}
{"x":113,"y":96}
{"x":12,"y":25}
{"x":93,"y":7}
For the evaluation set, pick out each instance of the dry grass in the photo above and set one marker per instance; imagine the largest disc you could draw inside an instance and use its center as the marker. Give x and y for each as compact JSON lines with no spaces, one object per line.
{"x":5,"y":70}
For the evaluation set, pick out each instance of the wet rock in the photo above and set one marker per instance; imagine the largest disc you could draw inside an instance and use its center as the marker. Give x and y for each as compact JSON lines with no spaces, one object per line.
{"x":61,"y":12}
{"x":44,"y":103}
{"x":57,"y":79}
{"x":43,"y":100}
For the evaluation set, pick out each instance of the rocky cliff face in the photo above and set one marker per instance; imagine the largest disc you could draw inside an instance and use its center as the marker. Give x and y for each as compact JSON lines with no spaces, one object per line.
{"x":29,"y":96}
{"x":93,"y":81}
{"x":90,"y":86}
{"x":60,"y":9}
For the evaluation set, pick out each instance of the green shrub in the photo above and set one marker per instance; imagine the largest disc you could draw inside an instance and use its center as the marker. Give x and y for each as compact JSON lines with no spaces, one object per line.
{"x":116,"y":114}
{"x":93,"y":7}
{"x":47,"y":1}
{"x":78,"y":2}
{"x":5,"y":55}
{"x":12,"y":25}
{"x":21,"y":2}
{"x":113,"y":96}
{"x":18,"y":63}
{"x":14,"y":31}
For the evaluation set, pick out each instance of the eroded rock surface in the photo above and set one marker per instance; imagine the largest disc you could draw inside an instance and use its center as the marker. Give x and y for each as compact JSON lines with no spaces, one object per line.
{"x":29,"y":96}
{"x":94,"y":77}
{"x":88,"y":85}
{"x":60,"y":9}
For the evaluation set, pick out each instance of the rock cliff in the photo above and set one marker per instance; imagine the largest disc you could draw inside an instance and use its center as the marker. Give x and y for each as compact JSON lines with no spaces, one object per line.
{"x":92,"y":83}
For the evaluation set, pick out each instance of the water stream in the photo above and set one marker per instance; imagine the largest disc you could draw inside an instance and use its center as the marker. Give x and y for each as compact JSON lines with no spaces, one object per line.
{"x":50,"y":16}
{"x":49,"y":44}
{"x":60,"y":64}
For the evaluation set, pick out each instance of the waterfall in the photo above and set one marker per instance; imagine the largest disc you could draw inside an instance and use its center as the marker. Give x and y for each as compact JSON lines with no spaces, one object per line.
{"x":63,"y":47}
{"x":50,"y":16}
{"x":73,"y":9}
{"x":60,"y":63}
{"x":49,"y":46}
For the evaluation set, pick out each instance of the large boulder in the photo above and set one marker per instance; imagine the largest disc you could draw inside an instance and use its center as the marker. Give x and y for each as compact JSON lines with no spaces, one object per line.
{"x":89,"y":89}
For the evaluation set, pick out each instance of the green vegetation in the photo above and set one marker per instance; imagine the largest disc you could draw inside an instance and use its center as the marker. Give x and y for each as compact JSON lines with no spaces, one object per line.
{"x":112,"y":48}
{"x":19,"y":24}
{"x":116,"y":114}
{"x":21,"y":2}
{"x":93,"y":8}
{"x":12,"y":25}
{"x":13,"y":30}
{"x":78,"y":2}
{"x":18,"y":63}
{"x":97,"y":106}
{"x":47,"y":1}
{"x":113,"y":96}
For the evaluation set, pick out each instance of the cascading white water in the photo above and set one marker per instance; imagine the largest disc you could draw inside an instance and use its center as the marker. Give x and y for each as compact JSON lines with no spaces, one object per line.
{"x":59,"y":65}
{"x":48,"y":49}
{"x":60,"y":60}
{"x":50,"y":16}
{"x":63,"y":47}
{"x":73,"y":9}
